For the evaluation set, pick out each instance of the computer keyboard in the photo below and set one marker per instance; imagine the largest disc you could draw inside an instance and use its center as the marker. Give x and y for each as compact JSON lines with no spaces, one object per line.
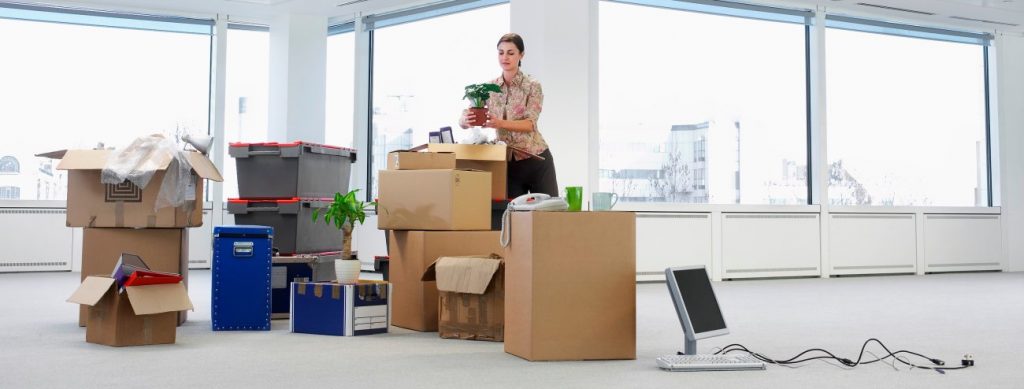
{"x":704,"y":362}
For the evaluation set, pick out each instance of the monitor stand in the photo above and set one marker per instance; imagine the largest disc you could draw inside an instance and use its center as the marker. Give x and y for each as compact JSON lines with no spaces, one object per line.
{"x":689,"y":347}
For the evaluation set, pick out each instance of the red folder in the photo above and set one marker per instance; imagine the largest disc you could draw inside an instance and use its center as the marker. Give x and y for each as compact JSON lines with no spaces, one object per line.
{"x":149,"y":277}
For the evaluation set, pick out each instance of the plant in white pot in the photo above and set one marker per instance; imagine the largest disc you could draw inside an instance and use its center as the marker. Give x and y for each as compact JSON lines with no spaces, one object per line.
{"x":344,"y":212}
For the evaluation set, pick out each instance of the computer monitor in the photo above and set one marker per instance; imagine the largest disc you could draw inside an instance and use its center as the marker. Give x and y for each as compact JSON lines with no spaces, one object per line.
{"x":696,"y":305}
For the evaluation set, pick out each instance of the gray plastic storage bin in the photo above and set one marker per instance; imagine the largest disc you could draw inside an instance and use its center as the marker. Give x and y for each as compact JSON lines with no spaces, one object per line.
{"x":287,"y":170}
{"x":292,"y":220}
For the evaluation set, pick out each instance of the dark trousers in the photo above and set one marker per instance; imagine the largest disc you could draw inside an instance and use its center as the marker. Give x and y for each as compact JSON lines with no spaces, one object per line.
{"x":532,"y":175}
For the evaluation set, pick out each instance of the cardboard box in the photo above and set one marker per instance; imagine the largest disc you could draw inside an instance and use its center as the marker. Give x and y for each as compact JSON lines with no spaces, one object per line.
{"x":328,"y":308}
{"x":163,"y":249}
{"x":472,"y":297}
{"x":488,"y":158}
{"x":445,"y":200}
{"x":412,"y":160}
{"x":94,"y":204}
{"x":415,"y":301}
{"x":141,"y":315}
{"x":570,"y":286}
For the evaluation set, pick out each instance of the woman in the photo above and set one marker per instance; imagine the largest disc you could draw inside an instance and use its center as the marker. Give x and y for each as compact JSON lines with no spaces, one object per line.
{"x":513,"y":113}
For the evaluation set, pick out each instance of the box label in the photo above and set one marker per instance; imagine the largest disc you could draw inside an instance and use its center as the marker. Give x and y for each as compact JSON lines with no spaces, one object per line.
{"x":123,"y":192}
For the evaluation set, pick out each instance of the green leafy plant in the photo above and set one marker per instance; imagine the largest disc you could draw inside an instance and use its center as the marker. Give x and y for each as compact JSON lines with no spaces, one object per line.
{"x":344,"y":212}
{"x":479,"y":93}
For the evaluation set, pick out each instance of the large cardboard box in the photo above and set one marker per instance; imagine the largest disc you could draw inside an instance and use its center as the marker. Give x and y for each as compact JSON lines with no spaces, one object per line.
{"x":433,"y":200}
{"x":163,"y":249}
{"x":138,"y":316}
{"x":472,"y":297}
{"x":329,"y":308}
{"x":412,"y":160}
{"x":415,"y":301}
{"x":94,"y":204}
{"x":570,"y":286}
{"x":488,"y":158}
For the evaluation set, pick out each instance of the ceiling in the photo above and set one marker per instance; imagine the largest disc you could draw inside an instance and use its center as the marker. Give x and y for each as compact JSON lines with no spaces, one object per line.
{"x":985,"y":15}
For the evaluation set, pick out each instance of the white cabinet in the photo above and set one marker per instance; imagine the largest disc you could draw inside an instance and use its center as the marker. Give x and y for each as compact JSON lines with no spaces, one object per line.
{"x":962,"y":242}
{"x":668,"y":239}
{"x":35,"y":239}
{"x":200,"y":243}
{"x":872,"y":243}
{"x":770,"y":245}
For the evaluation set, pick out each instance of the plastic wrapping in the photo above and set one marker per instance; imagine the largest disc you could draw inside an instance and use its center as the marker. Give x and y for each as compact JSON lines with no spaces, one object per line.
{"x":138,"y":162}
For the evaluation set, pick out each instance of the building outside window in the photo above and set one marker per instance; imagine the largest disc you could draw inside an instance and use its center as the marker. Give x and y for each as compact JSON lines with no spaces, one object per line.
{"x":714,"y":118}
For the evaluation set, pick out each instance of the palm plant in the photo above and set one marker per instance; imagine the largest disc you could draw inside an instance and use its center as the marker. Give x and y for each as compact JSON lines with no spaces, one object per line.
{"x":344,"y":212}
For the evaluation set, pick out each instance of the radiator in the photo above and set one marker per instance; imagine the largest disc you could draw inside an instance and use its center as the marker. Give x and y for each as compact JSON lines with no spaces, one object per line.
{"x":35,"y":239}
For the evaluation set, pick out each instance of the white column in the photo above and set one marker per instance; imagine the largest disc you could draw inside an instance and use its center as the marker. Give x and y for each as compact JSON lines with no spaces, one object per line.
{"x":361,"y":115}
{"x":1010,"y":125}
{"x":298,"y":78}
{"x":561,"y":53}
{"x":217,"y":111}
{"x":819,"y":135}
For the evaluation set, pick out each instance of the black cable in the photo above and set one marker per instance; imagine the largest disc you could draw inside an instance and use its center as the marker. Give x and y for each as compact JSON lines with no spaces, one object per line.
{"x":938,"y":364}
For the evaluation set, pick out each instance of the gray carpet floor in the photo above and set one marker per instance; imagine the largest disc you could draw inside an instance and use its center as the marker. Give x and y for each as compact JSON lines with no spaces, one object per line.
{"x":943,"y":316}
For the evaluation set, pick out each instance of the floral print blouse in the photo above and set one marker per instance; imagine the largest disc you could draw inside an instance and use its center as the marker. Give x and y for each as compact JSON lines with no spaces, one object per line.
{"x":520,"y":99}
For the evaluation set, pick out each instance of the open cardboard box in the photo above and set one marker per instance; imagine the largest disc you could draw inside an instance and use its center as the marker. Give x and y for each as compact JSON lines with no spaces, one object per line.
{"x":413,"y":160}
{"x":488,"y":158}
{"x":163,"y":249}
{"x":472,"y":297}
{"x":94,"y":204}
{"x":411,"y":252}
{"x":141,"y":315}
{"x":442,"y":199}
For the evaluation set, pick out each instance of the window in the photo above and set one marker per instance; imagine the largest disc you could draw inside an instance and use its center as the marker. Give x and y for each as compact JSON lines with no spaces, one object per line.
{"x":9,"y":165}
{"x":714,"y":102}
{"x":906,"y":117}
{"x":246,"y":93}
{"x":341,"y":43}
{"x":75,"y":79}
{"x":10,"y":193}
{"x":420,"y":70}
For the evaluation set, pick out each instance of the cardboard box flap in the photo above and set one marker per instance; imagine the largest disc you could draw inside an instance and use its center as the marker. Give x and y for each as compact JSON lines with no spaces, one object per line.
{"x":472,"y":152}
{"x":204,"y":167}
{"x":91,"y":291}
{"x":463,"y":274}
{"x":56,"y":154}
{"x":150,"y":299}
{"x":97,"y":160}
{"x":84,"y":160}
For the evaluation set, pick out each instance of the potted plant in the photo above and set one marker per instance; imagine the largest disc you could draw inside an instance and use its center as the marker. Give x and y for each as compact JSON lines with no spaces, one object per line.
{"x":478,"y":95}
{"x":344,"y":212}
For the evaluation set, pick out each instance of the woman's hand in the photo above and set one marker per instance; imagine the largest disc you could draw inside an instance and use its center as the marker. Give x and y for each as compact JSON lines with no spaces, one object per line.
{"x":493,"y":121}
{"x":467,"y":117}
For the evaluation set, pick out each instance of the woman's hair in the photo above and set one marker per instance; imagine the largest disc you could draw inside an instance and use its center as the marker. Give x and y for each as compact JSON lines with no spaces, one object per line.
{"x":514,"y":39}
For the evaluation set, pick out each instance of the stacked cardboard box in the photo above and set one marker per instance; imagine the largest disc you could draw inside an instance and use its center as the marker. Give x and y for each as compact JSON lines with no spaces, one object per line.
{"x":432,"y":209}
{"x":123,"y":218}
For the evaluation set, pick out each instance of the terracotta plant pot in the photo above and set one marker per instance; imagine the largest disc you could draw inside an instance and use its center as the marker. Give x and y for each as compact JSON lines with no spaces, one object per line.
{"x":481,"y":117}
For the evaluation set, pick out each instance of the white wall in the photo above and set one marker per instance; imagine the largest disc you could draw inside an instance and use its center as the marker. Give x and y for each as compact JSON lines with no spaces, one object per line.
{"x":1010,"y":92}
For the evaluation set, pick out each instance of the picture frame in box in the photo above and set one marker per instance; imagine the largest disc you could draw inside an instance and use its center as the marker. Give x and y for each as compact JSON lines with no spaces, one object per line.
{"x":446,"y":135}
